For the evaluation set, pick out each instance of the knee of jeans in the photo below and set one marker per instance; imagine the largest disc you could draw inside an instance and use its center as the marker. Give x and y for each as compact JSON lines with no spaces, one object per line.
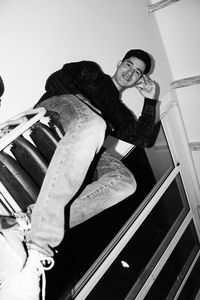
{"x":98,"y":123}
{"x":131,"y":184}
{"x":99,"y":128}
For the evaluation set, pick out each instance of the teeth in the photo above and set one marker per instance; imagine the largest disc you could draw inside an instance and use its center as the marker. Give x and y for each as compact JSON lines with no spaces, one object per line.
{"x":126,"y":78}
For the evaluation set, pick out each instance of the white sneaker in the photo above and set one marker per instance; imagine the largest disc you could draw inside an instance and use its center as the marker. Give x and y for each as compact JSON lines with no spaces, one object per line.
{"x":18,"y":221}
{"x":23,"y":221}
{"x":13,"y":253}
{"x":26,"y":284}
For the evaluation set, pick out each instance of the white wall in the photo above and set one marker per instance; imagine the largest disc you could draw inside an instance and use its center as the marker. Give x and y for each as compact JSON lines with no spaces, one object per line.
{"x":39,"y":36}
{"x":179,"y":25}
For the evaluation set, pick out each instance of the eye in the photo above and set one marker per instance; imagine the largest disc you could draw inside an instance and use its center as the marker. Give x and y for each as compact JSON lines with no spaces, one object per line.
{"x":138,"y":73}
{"x":128,"y":64}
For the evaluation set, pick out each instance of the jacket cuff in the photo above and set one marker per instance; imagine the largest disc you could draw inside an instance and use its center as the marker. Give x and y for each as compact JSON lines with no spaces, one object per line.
{"x":149,"y":106}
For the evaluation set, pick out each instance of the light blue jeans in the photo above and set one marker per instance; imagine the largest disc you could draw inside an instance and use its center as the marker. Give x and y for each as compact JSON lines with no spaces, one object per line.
{"x":83,"y":139}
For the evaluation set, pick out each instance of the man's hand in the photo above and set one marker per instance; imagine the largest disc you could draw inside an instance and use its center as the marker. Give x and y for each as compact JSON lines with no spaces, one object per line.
{"x":146,"y":87}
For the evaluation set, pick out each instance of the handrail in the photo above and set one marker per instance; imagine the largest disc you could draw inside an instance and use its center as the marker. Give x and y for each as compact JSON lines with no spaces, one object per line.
{"x":160,"y":4}
{"x":23,"y":124}
{"x":185,"y":82}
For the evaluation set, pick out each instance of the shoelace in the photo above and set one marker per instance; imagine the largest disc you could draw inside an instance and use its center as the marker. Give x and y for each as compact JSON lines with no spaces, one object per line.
{"x":42,"y":269}
{"x":25,"y":225}
{"x":23,"y":220}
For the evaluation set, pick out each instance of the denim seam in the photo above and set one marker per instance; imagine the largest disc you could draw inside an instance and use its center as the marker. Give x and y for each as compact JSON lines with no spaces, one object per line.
{"x":77,"y":127}
{"x":103,"y":186}
{"x":64,"y":154}
{"x":57,"y":171}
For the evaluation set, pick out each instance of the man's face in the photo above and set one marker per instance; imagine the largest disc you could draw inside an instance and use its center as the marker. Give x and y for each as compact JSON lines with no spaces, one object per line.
{"x":128,"y":73}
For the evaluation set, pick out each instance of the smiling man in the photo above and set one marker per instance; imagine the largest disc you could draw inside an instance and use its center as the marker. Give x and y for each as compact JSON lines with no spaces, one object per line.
{"x":88,"y":103}
{"x":131,"y":73}
{"x":128,"y":73}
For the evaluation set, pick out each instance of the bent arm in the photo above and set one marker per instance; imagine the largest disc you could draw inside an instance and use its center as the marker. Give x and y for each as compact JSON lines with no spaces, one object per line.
{"x":140,"y":131}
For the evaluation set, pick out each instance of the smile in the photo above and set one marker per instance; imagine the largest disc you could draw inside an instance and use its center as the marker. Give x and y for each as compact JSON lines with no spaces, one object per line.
{"x":126,"y":78}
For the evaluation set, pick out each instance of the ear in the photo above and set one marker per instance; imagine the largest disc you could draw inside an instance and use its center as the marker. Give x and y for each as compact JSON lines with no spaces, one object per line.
{"x":119,"y":63}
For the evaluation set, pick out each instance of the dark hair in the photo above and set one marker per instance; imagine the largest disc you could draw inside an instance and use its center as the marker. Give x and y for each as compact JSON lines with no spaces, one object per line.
{"x":1,"y":87}
{"x":144,"y":56}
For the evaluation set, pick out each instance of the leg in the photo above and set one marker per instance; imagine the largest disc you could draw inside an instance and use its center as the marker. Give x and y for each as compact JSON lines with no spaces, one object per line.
{"x":84,"y":137}
{"x":114,"y":183}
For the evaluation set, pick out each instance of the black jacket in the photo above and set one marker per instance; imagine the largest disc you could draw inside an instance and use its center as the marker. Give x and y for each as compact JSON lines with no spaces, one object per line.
{"x":88,"y":79}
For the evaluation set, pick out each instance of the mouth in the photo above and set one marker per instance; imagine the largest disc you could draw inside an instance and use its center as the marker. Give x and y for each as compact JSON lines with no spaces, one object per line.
{"x":127,"y":78}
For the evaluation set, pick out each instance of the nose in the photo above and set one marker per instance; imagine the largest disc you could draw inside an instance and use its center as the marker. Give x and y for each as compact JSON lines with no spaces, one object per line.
{"x":130,"y":72}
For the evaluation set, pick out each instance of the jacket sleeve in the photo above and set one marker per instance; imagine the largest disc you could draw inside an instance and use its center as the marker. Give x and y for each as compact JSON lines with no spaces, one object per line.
{"x":71,"y":76}
{"x":139,"y":132}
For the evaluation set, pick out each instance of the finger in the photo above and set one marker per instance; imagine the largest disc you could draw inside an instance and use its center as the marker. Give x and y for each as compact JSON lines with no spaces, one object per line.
{"x":140,"y":81}
{"x":139,"y":88}
{"x":139,"y":85}
{"x":146,"y":79}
